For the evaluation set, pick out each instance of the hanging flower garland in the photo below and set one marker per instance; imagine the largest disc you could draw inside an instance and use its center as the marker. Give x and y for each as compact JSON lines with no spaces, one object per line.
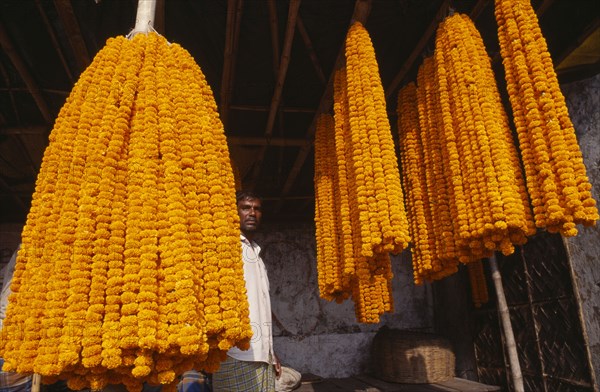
{"x":489,"y":208}
{"x":130,"y":261}
{"x":329,"y":257}
{"x":479,"y":288}
{"x":556,"y":176}
{"x":359,"y":210}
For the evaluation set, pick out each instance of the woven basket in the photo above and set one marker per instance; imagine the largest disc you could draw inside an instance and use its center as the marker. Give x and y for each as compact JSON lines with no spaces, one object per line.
{"x":411,"y":357}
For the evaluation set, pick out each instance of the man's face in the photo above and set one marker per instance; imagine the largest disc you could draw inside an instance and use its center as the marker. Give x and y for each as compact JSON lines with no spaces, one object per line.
{"x":250,"y":213}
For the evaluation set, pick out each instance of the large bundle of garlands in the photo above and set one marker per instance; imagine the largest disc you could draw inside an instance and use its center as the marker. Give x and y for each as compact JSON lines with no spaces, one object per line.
{"x":466,"y":194}
{"x":359,"y":212}
{"x":130,"y":268}
{"x":465,"y":191}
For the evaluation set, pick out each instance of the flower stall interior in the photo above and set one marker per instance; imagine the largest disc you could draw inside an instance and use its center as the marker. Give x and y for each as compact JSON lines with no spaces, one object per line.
{"x":426,"y":167}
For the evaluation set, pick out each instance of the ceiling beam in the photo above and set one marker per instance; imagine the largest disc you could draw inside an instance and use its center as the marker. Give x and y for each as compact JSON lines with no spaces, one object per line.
{"x":234,"y":17}
{"x":55,"y":43}
{"x":276,"y":99}
{"x":418,"y":49}
{"x":274,"y":26}
{"x":234,"y":140}
{"x":13,"y":194}
{"x":283,"y":64}
{"x":23,"y":71}
{"x":255,"y":108}
{"x":311,"y":50}
{"x":73,"y":33}
{"x":362,"y":9}
{"x":478,"y":9}
{"x":589,"y":30}
{"x":261,"y":141}
{"x":30,"y":130}
{"x":10,"y":91}
{"x":159,"y":17}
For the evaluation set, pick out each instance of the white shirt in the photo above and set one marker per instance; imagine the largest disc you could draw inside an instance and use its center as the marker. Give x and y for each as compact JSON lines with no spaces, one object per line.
{"x":257,"y":287}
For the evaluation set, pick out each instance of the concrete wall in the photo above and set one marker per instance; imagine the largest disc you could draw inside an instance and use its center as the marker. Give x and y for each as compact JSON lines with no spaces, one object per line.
{"x":583,"y":100}
{"x":321,"y":337}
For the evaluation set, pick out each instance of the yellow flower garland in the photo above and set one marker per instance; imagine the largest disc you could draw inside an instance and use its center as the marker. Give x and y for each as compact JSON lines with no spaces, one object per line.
{"x":327,"y":213}
{"x":130,"y":269}
{"x":489,"y":205}
{"x":359,"y":210}
{"x":414,"y":181}
{"x":556,"y":176}
{"x":479,"y":289}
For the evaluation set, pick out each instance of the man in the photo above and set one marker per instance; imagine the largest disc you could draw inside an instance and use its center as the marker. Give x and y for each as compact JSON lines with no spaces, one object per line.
{"x":253,"y":370}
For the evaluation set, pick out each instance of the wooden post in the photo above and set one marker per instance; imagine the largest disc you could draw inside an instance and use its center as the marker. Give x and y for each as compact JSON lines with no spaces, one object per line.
{"x":511,"y":346}
{"x":36,"y":382}
{"x":144,"y":19}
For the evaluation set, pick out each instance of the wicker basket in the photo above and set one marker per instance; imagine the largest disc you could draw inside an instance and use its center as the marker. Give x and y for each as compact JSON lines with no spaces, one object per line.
{"x":411,"y":357}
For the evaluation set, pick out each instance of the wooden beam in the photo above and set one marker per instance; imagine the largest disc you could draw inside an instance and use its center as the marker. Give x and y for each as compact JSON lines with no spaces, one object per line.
{"x":311,"y":50}
{"x":23,"y":70}
{"x":13,"y":194}
{"x":276,"y":99}
{"x":159,"y":17}
{"x":55,"y":43}
{"x":414,"y":55}
{"x":307,"y":197}
{"x":261,"y":141}
{"x":274,"y":26}
{"x":478,"y":9}
{"x":44,"y":90}
{"x":362,"y":9}
{"x":33,"y":167}
{"x":589,"y":30}
{"x":283,"y":64}
{"x":30,"y":130}
{"x":10,"y":91}
{"x":255,"y":108}
{"x":234,"y":17}
{"x":73,"y":32}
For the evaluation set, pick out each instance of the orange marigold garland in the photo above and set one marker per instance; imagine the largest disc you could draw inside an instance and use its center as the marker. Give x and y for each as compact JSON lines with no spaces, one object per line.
{"x":329,"y":257}
{"x":479,"y":288}
{"x":359,"y":209}
{"x":414,"y":181}
{"x":556,"y":176}
{"x":384,"y":225}
{"x":489,"y":208}
{"x":132,"y":220}
{"x":444,"y":245}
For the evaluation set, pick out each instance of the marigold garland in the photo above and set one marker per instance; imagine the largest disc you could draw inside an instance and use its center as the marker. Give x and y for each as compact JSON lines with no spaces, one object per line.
{"x":359,"y":210}
{"x":555,"y":172}
{"x":490,"y":210}
{"x":478,"y":283}
{"x":418,"y":172}
{"x":130,"y":269}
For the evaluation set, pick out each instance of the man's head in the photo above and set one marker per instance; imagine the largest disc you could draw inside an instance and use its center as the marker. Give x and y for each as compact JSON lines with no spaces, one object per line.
{"x":249,"y":208}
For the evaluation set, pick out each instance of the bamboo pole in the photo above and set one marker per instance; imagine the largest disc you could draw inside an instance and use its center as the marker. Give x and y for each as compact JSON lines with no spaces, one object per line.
{"x":144,"y":18}
{"x":36,"y":383}
{"x":511,"y":346}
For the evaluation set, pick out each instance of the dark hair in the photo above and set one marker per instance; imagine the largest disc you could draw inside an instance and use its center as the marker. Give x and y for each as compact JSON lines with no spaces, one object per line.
{"x":244,"y":195}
